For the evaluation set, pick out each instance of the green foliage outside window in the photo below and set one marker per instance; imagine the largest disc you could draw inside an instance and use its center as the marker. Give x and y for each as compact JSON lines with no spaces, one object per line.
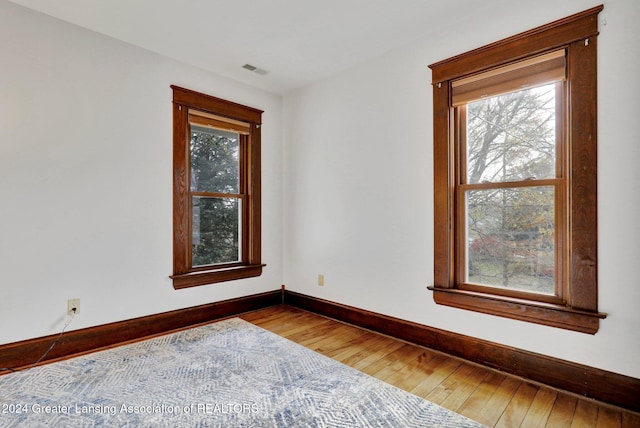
{"x":215,"y":220}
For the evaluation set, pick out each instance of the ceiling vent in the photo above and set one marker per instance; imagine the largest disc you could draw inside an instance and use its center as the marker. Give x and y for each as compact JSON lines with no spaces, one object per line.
{"x":255,"y":69}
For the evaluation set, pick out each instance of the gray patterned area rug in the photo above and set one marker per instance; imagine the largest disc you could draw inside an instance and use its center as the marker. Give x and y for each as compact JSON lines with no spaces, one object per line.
{"x":226,"y":374}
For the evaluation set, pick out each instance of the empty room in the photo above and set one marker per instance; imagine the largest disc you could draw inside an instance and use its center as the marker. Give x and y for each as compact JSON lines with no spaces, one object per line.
{"x":319,"y":213}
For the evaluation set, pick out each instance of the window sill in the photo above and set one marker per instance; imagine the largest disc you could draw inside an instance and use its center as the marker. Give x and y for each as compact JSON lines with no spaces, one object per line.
{"x":520,"y":309}
{"x":212,"y":276}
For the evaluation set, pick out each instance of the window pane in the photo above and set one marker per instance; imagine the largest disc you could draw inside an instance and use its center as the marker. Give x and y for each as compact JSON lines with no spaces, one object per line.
{"x":215,"y":162}
{"x":511,"y":238}
{"x":512,"y":137}
{"x":215,"y":230}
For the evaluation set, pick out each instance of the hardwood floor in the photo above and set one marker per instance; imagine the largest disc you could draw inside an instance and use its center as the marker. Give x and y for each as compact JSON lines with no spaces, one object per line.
{"x":482,"y":394}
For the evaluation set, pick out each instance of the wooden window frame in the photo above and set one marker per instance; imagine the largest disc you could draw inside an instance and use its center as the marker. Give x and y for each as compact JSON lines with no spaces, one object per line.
{"x":576,"y":305}
{"x":250,"y":265}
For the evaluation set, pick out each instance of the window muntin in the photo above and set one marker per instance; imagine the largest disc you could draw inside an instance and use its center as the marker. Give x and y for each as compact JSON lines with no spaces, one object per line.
{"x":216,"y":190}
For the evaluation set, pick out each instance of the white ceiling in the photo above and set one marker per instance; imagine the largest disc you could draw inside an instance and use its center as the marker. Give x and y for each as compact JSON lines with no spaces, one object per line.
{"x":297,"y":42}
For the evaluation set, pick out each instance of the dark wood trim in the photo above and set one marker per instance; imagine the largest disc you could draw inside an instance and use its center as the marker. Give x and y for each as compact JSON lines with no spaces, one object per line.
{"x":202,"y":277}
{"x":608,"y":387}
{"x":443,"y":177}
{"x":184,"y":273}
{"x":583,"y":233}
{"x":540,"y":39}
{"x":23,"y":354}
{"x":553,"y":315}
{"x":254,"y":188}
{"x":575,"y":303}
{"x":216,"y":105}
{"x":180,"y":191}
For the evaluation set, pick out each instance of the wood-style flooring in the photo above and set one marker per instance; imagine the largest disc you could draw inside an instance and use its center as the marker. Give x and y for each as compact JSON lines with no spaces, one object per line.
{"x":493,"y":398}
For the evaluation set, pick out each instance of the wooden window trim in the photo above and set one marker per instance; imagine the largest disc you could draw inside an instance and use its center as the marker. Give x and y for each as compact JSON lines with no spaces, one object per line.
{"x":578,"y":309}
{"x":185,"y":275}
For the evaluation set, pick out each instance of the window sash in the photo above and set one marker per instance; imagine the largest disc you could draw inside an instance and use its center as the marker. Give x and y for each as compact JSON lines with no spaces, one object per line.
{"x":243,"y":220}
{"x":494,"y":82}
{"x":221,"y":244}
{"x":461,"y":240}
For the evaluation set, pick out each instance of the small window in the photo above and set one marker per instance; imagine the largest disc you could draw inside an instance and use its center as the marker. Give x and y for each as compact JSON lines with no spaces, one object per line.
{"x":515,"y":177}
{"x":216,"y":190}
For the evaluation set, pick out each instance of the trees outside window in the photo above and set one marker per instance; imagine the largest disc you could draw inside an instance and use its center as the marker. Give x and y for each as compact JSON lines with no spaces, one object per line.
{"x":508,"y":200}
{"x":216,"y":208}
{"x":515,"y":170}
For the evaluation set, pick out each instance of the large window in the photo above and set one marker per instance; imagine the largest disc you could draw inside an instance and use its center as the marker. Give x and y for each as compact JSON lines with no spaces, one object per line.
{"x":515,"y":176}
{"x":216,"y":164}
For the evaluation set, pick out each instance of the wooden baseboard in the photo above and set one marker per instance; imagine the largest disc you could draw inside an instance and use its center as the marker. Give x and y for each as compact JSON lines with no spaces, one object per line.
{"x":605,"y":386}
{"x":590,"y":382}
{"x":23,"y":354}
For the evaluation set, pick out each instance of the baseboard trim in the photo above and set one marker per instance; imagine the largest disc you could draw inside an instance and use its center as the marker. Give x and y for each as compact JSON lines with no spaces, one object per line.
{"x":19,"y":355}
{"x":605,"y":386}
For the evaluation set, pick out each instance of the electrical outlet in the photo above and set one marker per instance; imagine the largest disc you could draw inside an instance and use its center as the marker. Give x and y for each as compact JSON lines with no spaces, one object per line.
{"x":320,"y":280}
{"x":73,"y":304}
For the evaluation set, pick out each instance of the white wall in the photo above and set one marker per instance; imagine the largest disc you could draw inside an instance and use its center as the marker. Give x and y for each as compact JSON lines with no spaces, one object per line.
{"x":358,"y":185}
{"x":85,"y":181}
{"x":86,"y":178}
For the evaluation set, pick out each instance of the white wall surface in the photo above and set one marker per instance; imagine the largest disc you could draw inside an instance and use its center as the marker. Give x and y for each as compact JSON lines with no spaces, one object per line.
{"x":86,"y":198}
{"x":86,"y":178}
{"x":359,"y":190}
